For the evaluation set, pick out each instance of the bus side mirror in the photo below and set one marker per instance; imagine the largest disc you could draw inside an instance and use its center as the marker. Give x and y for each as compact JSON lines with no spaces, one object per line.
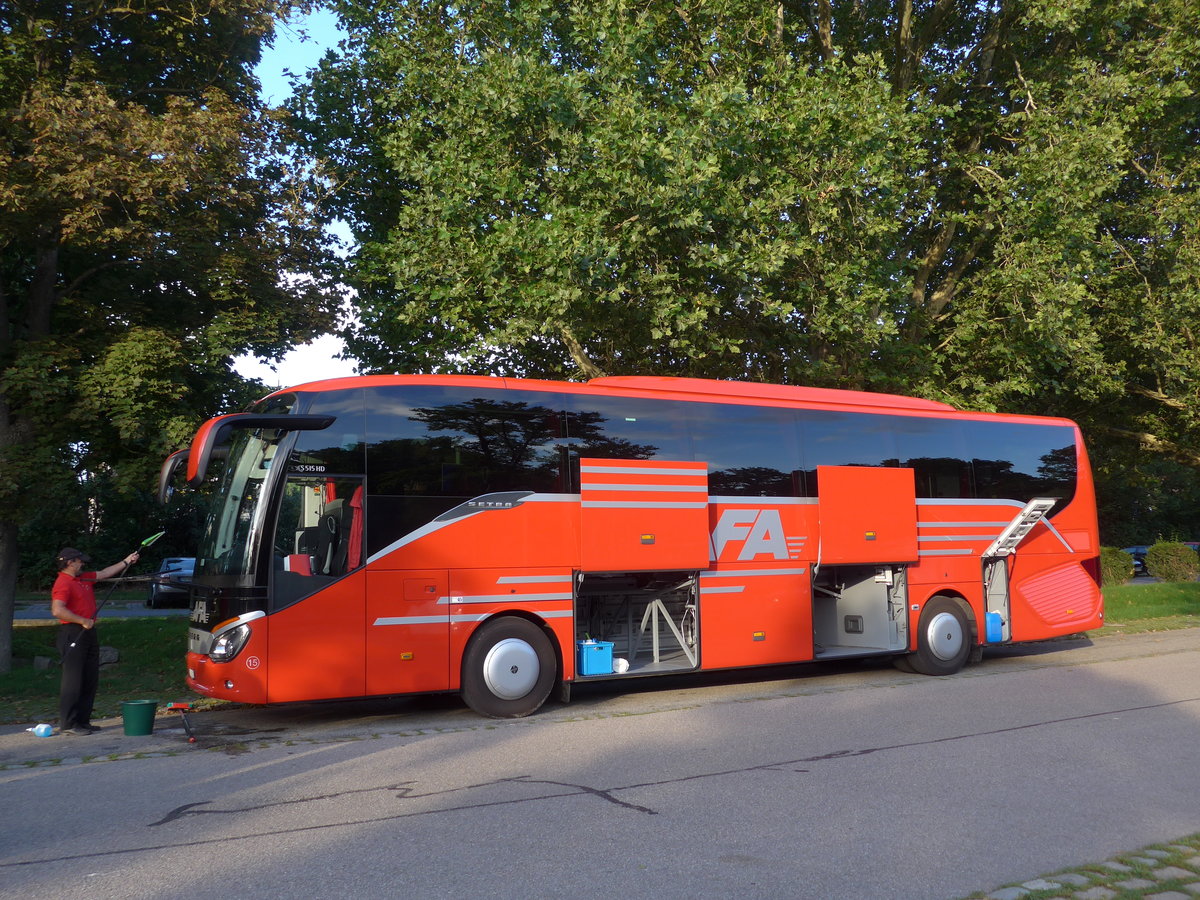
{"x":166,"y":475}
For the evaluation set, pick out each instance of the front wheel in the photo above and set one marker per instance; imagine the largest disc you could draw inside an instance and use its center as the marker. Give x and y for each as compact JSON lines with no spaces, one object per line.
{"x":943,"y":639}
{"x":509,"y":669}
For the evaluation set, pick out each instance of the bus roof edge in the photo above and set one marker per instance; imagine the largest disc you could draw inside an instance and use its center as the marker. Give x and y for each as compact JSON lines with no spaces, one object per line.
{"x":794,"y":393}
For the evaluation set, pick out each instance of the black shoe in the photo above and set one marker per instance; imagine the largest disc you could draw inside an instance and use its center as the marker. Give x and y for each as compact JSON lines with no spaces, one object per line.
{"x":92,"y":728}
{"x":78,"y":731}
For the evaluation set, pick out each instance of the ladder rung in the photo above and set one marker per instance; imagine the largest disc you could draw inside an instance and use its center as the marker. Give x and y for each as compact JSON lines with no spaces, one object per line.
{"x":1016,"y":530}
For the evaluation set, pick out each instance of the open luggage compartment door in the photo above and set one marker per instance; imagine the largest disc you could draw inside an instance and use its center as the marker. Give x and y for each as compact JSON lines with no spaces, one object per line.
{"x":643,"y":515}
{"x":867,"y":515}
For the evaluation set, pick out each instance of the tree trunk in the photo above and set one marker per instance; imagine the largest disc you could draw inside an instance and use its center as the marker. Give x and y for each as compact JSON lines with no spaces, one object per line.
{"x":10,"y":556}
{"x":10,"y":559}
{"x":579,"y":355}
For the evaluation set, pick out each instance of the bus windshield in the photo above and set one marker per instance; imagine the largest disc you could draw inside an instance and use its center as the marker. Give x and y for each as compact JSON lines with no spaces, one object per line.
{"x":229,"y":545}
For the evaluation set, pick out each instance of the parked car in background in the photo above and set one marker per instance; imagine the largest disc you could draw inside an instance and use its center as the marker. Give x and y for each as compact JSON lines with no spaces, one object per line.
{"x":1139,"y":555}
{"x":169,"y":586}
{"x":1139,"y":558}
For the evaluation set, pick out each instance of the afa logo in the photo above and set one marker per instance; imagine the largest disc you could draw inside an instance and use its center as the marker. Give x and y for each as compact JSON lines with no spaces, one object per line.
{"x":752,"y":534}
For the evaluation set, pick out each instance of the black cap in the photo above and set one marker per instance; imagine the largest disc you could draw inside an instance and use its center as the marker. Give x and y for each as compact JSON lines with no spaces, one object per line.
{"x":66,"y":554}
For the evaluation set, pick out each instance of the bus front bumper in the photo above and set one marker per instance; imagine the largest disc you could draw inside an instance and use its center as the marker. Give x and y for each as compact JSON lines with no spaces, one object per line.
{"x":240,"y":680}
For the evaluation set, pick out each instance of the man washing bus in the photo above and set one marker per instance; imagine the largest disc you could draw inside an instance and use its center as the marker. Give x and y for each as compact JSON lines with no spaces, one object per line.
{"x":73,"y":603}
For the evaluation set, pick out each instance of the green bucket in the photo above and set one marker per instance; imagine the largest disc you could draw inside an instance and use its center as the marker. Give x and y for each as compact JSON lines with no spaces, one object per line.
{"x":138,"y":716}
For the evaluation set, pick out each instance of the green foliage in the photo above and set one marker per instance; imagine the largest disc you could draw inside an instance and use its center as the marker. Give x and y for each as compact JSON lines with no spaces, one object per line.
{"x":147,"y":219}
{"x":1140,"y":496}
{"x":1172,"y":561}
{"x":996,"y":208}
{"x":1116,"y":566}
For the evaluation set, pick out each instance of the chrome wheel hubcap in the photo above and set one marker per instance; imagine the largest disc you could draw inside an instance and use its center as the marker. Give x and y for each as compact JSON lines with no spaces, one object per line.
{"x":511,"y":669}
{"x":945,"y":636}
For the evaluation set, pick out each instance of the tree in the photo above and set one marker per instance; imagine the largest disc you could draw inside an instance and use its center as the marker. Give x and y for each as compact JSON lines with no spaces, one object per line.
{"x":146,"y":218}
{"x":993,"y":204}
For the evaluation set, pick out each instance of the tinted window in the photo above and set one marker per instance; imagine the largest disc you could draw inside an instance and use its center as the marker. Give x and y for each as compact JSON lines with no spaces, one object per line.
{"x":431,"y":448}
{"x":751,"y":451}
{"x":936,"y":451}
{"x":845,"y":439}
{"x":338,"y":449}
{"x":1020,"y":462}
{"x":627,"y":428}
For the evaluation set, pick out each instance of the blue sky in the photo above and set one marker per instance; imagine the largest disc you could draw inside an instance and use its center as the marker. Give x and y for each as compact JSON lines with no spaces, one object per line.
{"x":298,"y":47}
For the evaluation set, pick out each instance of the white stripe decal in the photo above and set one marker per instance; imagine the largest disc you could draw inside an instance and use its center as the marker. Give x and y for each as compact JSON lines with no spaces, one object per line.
{"x":503,"y":598}
{"x":744,"y":573}
{"x":731,"y":589}
{"x":955,"y":537}
{"x":642,"y":470}
{"x":961,"y":524}
{"x":927,"y":501}
{"x":458,"y":618}
{"x":411,"y":620}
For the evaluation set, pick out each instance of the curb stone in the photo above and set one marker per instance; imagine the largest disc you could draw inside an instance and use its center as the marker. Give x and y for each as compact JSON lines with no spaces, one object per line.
{"x":1158,"y":872}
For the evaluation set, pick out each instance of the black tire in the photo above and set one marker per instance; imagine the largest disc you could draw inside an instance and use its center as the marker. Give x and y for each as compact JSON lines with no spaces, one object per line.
{"x":943,"y":638}
{"x":509,"y":669}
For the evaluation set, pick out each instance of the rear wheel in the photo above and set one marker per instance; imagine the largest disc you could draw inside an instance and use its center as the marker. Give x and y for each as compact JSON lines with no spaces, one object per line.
{"x":943,"y":638}
{"x":509,"y":669}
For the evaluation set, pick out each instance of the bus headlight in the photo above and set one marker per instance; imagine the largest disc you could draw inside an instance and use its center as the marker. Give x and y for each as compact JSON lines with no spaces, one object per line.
{"x":229,"y":643}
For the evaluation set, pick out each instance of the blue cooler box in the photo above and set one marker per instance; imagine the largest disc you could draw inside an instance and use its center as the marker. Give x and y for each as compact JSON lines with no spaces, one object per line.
{"x":593,"y":658}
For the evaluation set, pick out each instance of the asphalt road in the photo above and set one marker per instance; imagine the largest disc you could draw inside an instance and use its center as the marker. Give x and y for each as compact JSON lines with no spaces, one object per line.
{"x":807,"y":782}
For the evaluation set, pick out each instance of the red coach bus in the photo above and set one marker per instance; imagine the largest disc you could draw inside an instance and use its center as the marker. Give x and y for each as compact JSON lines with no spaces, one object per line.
{"x":503,"y":538}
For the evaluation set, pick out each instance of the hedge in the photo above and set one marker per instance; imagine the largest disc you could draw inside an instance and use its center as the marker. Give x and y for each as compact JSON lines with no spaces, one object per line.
{"x":1172,"y":561}
{"x":1116,"y":566}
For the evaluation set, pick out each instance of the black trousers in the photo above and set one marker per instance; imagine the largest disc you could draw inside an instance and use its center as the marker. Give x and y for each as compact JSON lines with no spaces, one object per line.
{"x":80,"y":674}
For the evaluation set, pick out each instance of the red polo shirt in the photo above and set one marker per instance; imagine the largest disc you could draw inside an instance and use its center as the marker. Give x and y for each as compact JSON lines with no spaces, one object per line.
{"x":77,"y":594}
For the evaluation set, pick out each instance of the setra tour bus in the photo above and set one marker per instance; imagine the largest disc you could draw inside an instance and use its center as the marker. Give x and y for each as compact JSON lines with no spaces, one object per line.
{"x":504,"y":538}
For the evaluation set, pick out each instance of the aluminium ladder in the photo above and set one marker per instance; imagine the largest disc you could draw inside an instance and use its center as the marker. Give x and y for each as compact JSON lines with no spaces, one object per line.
{"x":997,"y":598}
{"x":1006,"y":542}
